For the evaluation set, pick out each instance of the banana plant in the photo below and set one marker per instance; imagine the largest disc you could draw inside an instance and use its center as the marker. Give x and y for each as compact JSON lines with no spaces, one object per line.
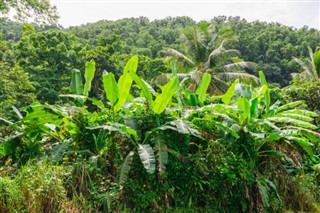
{"x":257,"y":118}
{"x":259,"y":131}
{"x":152,"y":150}
{"x":28,"y":135}
{"x":185,"y":96}
{"x":79,"y":91}
{"x":118,"y":93}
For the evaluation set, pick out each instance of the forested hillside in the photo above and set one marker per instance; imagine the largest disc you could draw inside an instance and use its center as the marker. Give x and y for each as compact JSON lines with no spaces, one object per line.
{"x":168,"y":115}
{"x":270,"y":45}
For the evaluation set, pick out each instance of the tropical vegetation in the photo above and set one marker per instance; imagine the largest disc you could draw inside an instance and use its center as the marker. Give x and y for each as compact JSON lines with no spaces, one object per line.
{"x":158,"y":116}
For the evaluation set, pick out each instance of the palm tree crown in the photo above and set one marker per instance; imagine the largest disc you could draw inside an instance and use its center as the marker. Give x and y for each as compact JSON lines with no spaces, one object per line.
{"x":310,"y":67}
{"x":202,"y":55}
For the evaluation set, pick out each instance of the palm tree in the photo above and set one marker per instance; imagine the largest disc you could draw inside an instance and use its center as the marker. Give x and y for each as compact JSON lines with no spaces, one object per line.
{"x":203,"y":56}
{"x":310,"y":67}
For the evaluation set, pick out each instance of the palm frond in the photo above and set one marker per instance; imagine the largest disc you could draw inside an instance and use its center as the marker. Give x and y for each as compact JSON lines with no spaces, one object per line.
{"x":239,"y":66}
{"x":182,"y":76}
{"x":217,"y":86}
{"x":303,"y":65}
{"x":216,"y":54}
{"x":317,"y":63}
{"x":245,"y":77}
{"x":179,"y":55}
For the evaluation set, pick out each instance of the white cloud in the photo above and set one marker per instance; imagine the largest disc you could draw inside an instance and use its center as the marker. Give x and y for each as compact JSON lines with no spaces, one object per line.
{"x":288,"y":12}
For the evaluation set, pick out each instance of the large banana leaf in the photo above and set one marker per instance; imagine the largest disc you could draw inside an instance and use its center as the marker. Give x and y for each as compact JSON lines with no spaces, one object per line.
{"x":165,"y":97}
{"x":289,"y":106}
{"x":296,"y":122}
{"x":58,"y":150}
{"x":162,"y":154}
{"x":88,"y":75}
{"x":244,"y":106}
{"x":125,"y":168}
{"x":110,"y":87}
{"x":182,"y":127}
{"x":304,"y":143}
{"x":203,"y":87}
{"x":226,"y":98}
{"x":117,"y":127}
{"x":76,"y":83}
{"x":125,"y":82}
{"x":147,"y":157}
{"x":144,"y":88}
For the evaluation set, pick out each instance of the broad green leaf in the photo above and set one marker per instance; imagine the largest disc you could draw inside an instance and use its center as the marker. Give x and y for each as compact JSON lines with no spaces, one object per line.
{"x":76,"y":86}
{"x":125,"y":82}
{"x":263,"y":189}
{"x":88,"y":75}
{"x":293,"y":121}
{"x":133,"y":124}
{"x":125,"y":168}
{"x":162,"y":154}
{"x":226,"y":98}
{"x":193,"y":99}
{"x":173,"y":68}
{"x":263,"y":82}
{"x":301,"y":112}
{"x":149,"y":86}
{"x":243,"y":105}
{"x":163,"y":100}
{"x":110,"y":87}
{"x":132,"y":65}
{"x":144,"y":88}
{"x":221,"y":126}
{"x":147,"y":157}
{"x":269,"y":124}
{"x":184,"y":128}
{"x":289,"y":106}
{"x":304,"y":144}
{"x":312,"y":135}
{"x":253,"y":107}
{"x":273,"y":137}
{"x":58,"y":151}
{"x":262,"y":78}
{"x":117,"y":127}
{"x":295,"y":116}
{"x":97,"y":103}
{"x":203,"y":86}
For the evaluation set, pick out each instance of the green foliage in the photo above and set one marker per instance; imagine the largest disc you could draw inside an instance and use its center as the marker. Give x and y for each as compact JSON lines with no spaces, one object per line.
{"x":76,"y":86}
{"x":170,"y":150}
{"x":110,"y":87}
{"x":165,"y":97}
{"x":203,"y":86}
{"x":205,"y":53}
{"x":306,"y":90}
{"x":125,"y":82}
{"x":311,"y":68}
{"x":11,"y":196}
{"x":49,"y":57}
{"x":147,"y":157}
{"x":16,"y":89}
{"x":37,"y":187}
{"x":88,"y":75}
{"x":40,"y":11}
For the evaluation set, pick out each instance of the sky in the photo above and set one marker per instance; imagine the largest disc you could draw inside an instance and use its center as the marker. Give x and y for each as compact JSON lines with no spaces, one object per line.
{"x":296,"y":13}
